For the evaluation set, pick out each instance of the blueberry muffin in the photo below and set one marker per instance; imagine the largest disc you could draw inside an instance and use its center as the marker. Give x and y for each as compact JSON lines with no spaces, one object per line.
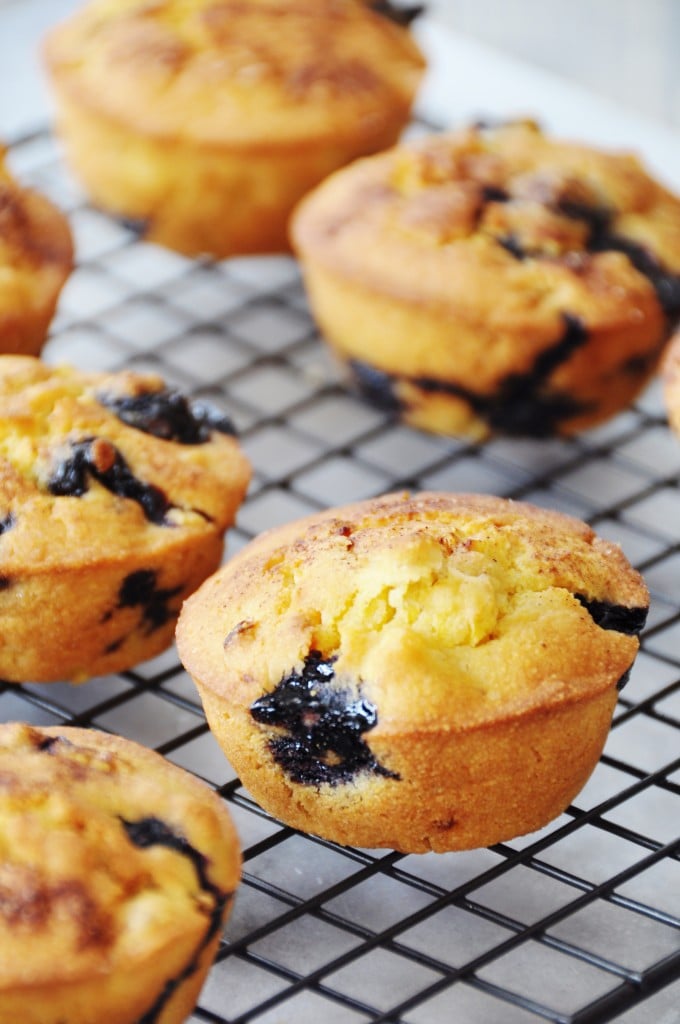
{"x":117,"y":873}
{"x":494,"y":280}
{"x":671,"y":382}
{"x":428,"y":672}
{"x":115,"y":493}
{"x":36,"y":257}
{"x":205,"y":121}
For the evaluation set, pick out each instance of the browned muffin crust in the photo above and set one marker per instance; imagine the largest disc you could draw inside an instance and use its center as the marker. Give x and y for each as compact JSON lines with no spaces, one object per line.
{"x":36,"y":257}
{"x":222,"y":114}
{"x":495,"y":280}
{"x":423,"y":672}
{"x":118,"y":870}
{"x":115,"y":493}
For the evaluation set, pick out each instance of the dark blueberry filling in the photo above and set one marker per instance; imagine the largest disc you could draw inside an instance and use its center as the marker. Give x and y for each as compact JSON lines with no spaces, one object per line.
{"x":5,"y":582}
{"x":376,"y":386}
{"x":71,"y":477}
{"x":521,"y":407}
{"x":512,"y":245}
{"x":614,"y":616}
{"x":400,"y":15}
{"x":47,"y":743}
{"x":624,"y":679}
{"x":665,"y":284}
{"x":7,"y":522}
{"x":137,"y":225}
{"x":323,"y":726}
{"x":152,"y":831}
{"x":599,"y":218}
{"x":168,"y":414}
{"x":494,"y":194}
{"x":140,"y":588}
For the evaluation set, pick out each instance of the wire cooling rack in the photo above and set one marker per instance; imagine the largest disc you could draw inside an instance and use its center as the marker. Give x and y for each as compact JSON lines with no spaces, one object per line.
{"x":576,"y":924}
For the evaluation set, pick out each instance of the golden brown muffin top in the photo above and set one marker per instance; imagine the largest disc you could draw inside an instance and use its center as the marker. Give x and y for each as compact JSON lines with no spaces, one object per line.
{"x":446,"y":611}
{"x":94,"y":465}
{"x":108,"y":853}
{"x":505,"y":227}
{"x":237,"y":71}
{"x":36,"y":250}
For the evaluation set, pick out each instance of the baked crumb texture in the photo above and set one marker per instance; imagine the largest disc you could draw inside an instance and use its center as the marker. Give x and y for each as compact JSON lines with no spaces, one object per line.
{"x":115,"y":493}
{"x":493,"y":280}
{"x":36,"y":257}
{"x":117,"y":873}
{"x":428,"y":672}
{"x":205,"y":121}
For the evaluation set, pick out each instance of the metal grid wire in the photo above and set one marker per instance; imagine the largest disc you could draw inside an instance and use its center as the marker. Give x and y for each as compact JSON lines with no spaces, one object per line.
{"x":576,"y":924}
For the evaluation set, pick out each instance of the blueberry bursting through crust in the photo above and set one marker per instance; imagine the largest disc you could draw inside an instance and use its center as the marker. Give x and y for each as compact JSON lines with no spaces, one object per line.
{"x":168,"y":414}
{"x":523,"y":405}
{"x":148,"y":832}
{"x":93,"y":457}
{"x":400,"y":15}
{"x":619,"y":617}
{"x":321,"y":726}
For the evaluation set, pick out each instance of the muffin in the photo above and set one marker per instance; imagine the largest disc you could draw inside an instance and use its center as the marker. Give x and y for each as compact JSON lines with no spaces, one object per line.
{"x":36,"y":257}
{"x":494,"y":281}
{"x":205,"y":121}
{"x":117,"y":873}
{"x":115,"y":493}
{"x":428,"y":672}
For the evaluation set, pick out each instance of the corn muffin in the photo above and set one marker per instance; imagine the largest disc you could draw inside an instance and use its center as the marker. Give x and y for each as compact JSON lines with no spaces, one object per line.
{"x":117,"y":873}
{"x":494,"y":280}
{"x":205,"y":121}
{"x":36,"y":257}
{"x":115,"y":493}
{"x":427,"y":672}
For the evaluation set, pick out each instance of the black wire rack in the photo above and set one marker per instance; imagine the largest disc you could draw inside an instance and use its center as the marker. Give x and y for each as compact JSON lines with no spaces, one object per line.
{"x":576,"y":924}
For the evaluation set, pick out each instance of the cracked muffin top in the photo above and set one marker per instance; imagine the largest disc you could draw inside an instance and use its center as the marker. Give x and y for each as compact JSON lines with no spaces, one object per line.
{"x":507,"y":227}
{"x":90,"y":462}
{"x":108,"y":854}
{"x":232,"y":71}
{"x":447,"y":611}
{"x":36,"y":252}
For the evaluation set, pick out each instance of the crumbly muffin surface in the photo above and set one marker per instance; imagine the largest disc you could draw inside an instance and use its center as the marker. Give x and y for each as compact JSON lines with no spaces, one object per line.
{"x":467,"y":608}
{"x":229,"y":71}
{"x":554,"y":227}
{"x":109,"y":854}
{"x":92,"y":460}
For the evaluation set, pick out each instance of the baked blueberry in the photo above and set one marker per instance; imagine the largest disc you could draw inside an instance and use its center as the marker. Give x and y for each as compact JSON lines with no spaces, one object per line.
{"x":400,"y":14}
{"x":141,"y":589}
{"x":170,"y":415}
{"x":319,"y":725}
{"x":97,"y":458}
